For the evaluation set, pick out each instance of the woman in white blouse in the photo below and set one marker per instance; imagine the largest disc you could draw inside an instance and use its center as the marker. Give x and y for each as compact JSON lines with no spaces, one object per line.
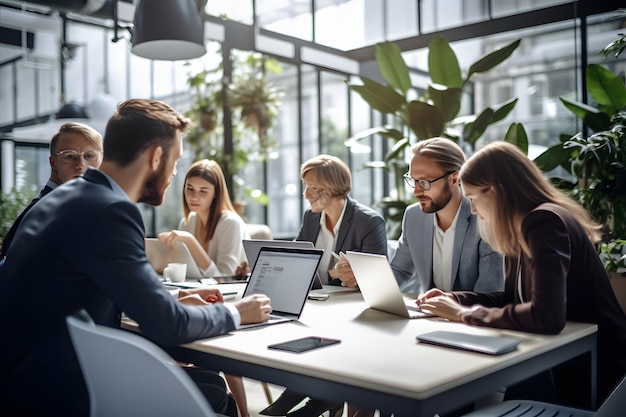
{"x":210,"y":228}
{"x":213,"y":232}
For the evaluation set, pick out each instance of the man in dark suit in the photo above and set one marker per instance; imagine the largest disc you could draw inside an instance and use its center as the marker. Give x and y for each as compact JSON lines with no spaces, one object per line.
{"x":82,"y":247}
{"x":73,"y":148}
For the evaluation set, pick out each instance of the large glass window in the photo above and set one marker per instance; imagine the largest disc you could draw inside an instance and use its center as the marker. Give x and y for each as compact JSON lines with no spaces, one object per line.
{"x":239,"y":10}
{"x":283,"y":179}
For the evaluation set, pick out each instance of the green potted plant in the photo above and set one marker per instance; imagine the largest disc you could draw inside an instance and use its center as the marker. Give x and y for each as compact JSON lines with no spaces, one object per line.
{"x":597,"y":162}
{"x":434,"y":112}
{"x":11,"y":205}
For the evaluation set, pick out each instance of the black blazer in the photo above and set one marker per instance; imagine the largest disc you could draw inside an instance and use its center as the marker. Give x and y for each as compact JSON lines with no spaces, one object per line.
{"x":88,"y":255}
{"x":362,"y":229}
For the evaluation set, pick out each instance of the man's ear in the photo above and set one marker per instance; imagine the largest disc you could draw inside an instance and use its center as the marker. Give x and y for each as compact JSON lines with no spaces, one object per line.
{"x":156,"y":154}
{"x":455,"y":178}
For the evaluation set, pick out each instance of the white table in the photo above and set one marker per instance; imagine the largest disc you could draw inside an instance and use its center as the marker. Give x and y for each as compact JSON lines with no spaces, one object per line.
{"x":379,"y":364}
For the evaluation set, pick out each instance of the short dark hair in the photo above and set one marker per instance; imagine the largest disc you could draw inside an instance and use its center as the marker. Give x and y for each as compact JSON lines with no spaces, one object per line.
{"x":139,"y":124}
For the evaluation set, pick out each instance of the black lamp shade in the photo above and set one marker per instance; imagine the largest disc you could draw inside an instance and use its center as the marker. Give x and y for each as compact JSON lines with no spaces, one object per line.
{"x":168,"y":30}
{"x":71,"y":111}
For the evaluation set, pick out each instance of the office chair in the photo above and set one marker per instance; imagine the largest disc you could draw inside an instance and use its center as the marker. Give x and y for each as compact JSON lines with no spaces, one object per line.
{"x":614,"y":405}
{"x":127,"y":375}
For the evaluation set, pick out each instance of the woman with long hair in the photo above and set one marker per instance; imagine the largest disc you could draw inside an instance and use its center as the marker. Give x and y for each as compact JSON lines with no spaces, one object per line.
{"x":211,"y":228}
{"x":213,"y":232}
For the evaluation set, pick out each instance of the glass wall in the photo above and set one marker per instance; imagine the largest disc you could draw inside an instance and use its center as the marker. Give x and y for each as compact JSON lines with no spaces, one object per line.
{"x":318,"y":112}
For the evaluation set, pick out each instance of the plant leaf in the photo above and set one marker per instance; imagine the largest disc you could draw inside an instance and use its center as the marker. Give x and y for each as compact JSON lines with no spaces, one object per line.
{"x":386,"y":131}
{"x":517,"y":136}
{"x":448,"y":100}
{"x":474,"y":130}
{"x":553,"y":157}
{"x":606,"y":88}
{"x":397,"y":150}
{"x":594,"y":118}
{"x":380,"y":97}
{"x":392,"y":66}
{"x":425,"y":121}
{"x":494,"y":58}
{"x":504,"y":110}
{"x":443,"y":64}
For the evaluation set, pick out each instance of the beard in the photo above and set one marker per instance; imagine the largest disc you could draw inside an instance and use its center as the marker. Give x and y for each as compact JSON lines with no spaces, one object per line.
{"x":438,"y":202}
{"x":155,"y":187}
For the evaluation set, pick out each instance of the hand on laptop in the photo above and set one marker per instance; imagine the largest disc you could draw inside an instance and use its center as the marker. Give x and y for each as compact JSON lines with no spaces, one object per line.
{"x":200,"y":296}
{"x":255,"y":308}
{"x":442,"y":304}
{"x":343,"y":271}
{"x":243,"y":269}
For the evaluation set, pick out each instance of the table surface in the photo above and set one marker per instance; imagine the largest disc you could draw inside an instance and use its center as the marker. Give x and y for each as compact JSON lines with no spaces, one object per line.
{"x":379,"y":358}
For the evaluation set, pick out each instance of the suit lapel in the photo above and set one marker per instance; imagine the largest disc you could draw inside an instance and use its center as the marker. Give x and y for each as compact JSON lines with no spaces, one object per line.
{"x":346,"y":223}
{"x":462,"y":226}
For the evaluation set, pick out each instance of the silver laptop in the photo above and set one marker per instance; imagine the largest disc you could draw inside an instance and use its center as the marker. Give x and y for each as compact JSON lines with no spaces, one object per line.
{"x":159,"y":255}
{"x":285,"y":275}
{"x":252,"y":247}
{"x":379,"y":287}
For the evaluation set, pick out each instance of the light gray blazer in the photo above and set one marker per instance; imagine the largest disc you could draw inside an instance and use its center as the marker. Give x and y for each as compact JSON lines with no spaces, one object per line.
{"x":475,"y":265}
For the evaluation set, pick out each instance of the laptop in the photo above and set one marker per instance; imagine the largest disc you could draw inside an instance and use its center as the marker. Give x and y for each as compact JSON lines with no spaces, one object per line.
{"x":285,"y":275}
{"x":379,"y":287}
{"x":252,"y":247}
{"x":159,"y":255}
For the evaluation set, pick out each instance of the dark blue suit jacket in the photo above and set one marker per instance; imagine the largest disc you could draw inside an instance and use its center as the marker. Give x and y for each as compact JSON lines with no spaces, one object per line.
{"x":362,"y":229}
{"x":81,"y":247}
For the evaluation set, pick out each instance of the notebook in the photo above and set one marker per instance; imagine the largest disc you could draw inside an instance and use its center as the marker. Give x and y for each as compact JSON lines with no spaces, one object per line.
{"x":159,"y":255}
{"x":491,"y":345}
{"x":379,"y":287}
{"x":252,"y":247}
{"x":285,"y":275}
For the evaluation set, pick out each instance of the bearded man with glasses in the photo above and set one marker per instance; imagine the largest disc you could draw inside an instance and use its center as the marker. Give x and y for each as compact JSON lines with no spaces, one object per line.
{"x":440,"y":246}
{"x":72,"y":149}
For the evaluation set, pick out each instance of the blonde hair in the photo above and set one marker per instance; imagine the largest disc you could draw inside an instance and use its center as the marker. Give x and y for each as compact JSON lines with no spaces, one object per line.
{"x":518,"y":186}
{"x":88,"y":132}
{"x":332,"y":173}
{"x":210,"y":171}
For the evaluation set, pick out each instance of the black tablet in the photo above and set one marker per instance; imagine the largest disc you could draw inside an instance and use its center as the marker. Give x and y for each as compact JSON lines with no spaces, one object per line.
{"x":304,"y":344}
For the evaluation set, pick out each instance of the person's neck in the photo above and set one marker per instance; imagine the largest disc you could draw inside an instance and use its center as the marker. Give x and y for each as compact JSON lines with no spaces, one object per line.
{"x":446,"y":215}
{"x":333,"y":212}
{"x":130,"y":178}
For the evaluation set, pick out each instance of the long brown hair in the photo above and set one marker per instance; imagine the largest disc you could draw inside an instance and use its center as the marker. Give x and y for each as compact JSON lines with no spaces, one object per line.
{"x":210,"y":171}
{"x":518,"y":186}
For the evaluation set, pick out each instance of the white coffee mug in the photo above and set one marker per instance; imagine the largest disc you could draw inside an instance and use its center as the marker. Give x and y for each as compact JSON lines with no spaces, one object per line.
{"x":175,"y":272}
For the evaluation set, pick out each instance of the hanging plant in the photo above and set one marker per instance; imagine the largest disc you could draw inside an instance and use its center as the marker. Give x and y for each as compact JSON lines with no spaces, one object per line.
{"x":257,"y":101}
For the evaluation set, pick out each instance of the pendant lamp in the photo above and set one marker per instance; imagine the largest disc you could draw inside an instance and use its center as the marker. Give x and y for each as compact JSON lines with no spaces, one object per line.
{"x":168,"y":30}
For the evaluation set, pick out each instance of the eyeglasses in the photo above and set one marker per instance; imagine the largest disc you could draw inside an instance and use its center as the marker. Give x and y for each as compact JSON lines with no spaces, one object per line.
{"x":71,"y":156}
{"x":424,"y":184}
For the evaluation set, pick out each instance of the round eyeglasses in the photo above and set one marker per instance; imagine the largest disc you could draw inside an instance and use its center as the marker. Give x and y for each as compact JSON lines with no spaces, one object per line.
{"x":71,"y":156}
{"x":424,"y":184}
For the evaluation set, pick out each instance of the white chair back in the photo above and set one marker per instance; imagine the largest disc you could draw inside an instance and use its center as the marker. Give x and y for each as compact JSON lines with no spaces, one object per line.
{"x":127,"y":375}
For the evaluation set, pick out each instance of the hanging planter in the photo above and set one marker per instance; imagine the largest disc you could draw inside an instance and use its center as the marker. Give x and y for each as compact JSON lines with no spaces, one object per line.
{"x":208,"y":120}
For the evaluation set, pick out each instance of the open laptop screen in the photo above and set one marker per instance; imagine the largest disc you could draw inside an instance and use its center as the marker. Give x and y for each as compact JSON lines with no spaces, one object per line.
{"x":285,"y":275}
